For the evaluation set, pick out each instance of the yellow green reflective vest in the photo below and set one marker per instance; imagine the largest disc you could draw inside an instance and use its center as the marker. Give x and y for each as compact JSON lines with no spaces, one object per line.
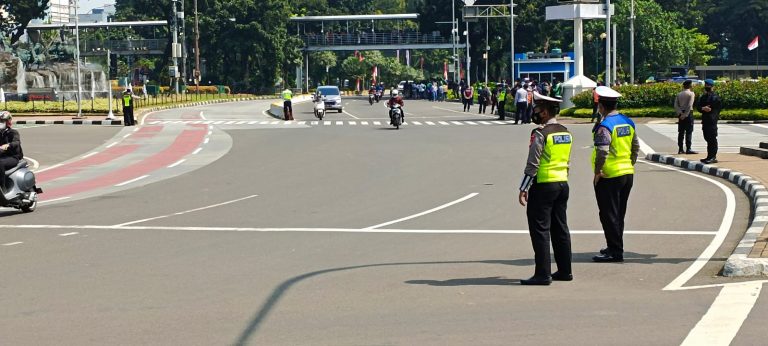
{"x":619,"y":160}
{"x":555,"y":155}
{"x":502,"y":95}
{"x":287,"y":95}
{"x":127,"y":100}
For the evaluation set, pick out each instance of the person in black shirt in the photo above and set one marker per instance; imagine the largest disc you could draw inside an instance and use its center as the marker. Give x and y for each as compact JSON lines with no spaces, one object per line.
{"x":10,"y":143}
{"x":710,"y":105}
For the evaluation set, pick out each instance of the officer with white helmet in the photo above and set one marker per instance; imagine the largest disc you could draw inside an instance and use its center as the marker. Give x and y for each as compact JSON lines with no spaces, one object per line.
{"x":545,"y":191}
{"x":613,"y":162}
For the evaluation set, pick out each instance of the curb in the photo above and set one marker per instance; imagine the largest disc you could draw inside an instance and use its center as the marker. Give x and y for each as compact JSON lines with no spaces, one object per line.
{"x":69,"y":122}
{"x":738,"y":263}
{"x":144,"y":111}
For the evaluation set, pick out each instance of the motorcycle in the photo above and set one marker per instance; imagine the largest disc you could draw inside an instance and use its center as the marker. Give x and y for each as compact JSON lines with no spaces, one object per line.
{"x":378,"y":96}
{"x":18,"y":188}
{"x":319,"y":108}
{"x":370,"y":99}
{"x":396,"y":115}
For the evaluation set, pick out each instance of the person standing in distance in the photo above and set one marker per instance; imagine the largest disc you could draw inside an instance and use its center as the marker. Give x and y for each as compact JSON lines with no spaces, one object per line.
{"x":521,"y":104}
{"x":613,"y":162}
{"x":710,"y":106}
{"x":545,"y":191}
{"x":287,"y":95}
{"x":128,"y":105}
{"x":684,"y":108}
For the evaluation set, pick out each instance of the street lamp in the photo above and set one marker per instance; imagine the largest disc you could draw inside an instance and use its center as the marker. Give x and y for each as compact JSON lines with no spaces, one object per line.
{"x":77,"y":62}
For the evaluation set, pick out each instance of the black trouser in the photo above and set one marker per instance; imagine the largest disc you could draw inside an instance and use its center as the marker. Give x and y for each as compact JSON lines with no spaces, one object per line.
{"x":467,"y":104}
{"x":481,"y":106}
{"x":612,"y":195}
{"x":287,"y":110}
{"x":522,"y":108}
{"x":528,"y":114}
{"x":685,"y":131}
{"x":8,"y":162}
{"x":710,"y":135}
{"x":547,"y":204}
{"x":128,"y":116}
{"x":502,"y":113}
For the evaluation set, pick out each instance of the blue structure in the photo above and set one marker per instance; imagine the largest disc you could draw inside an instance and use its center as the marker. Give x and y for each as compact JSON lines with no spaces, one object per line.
{"x":544,"y":66}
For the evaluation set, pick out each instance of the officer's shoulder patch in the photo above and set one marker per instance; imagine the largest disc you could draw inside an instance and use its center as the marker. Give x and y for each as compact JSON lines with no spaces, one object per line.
{"x":623,"y":131}
{"x":562,"y":139}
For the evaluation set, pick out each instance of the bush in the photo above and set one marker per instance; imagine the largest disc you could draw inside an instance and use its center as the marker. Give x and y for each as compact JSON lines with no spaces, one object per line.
{"x":735,"y":95}
{"x":668,"y":112}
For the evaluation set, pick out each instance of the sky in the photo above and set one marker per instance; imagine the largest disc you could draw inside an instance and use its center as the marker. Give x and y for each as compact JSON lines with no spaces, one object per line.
{"x":87,"y":5}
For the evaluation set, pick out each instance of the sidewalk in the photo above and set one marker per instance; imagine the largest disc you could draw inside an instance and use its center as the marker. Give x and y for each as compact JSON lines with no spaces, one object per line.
{"x":750,"y":258}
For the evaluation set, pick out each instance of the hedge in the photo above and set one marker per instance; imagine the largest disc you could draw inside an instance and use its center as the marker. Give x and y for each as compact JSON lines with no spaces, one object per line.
{"x":668,"y":112}
{"x":735,"y":95}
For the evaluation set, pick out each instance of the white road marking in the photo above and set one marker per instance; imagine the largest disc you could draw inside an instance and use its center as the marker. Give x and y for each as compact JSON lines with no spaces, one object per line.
{"x":301,"y":123}
{"x":131,"y":181}
{"x":12,"y":244}
{"x":353,"y":123}
{"x":485,"y":123}
{"x":54,"y":200}
{"x":644,"y":147}
{"x":443,"y":123}
{"x":377,"y":123}
{"x":315,"y":123}
{"x":425,"y":212}
{"x":326,"y":123}
{"x":35,"y":164}
{"x":229,"y":122}
{"x":416,"y":123}
{"x":497,"y":122}
{"x":197,"y":151}
{"x":252,"y":122}
{"x":350,"y":230}
{"x":202,"y":116}
{"x":724,"y":318}
{"x":339,"y":123}
{"x":429,"y":123}
{"x":128,"y":135}
{"x":186,"y":211}
{"x":363,"y":123}
{"x":717,"y":241}
{"x":264,"y":123}
{"x":177,"y":163}
{"x":471,"y":122}
{"x":761,"y":125}
{"x":207,"y":139}
{"x":457,"y":123}
{"x":350,"y":114}
{"x":68,"y":234}
{"x":241,"y":122}
{"x":112,"y":145}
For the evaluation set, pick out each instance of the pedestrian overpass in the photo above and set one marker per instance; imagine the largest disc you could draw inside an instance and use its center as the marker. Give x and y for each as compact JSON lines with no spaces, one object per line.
{"x":368,"y":39}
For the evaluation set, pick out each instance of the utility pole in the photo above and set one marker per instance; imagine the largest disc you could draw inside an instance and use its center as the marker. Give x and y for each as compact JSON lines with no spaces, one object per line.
{"x":487,"y":51}
{"x":608,"y":80}
{"x":632,"y":43}
{"x":196,"y":74}
{"x":181,"y":16}
{"x":454,"y":34}
{"x":174,"y":50}
{"x":511,"y":42}
{"x":110,"y":115}
{"x":613,"y":53}
{"x":77,"y":62}
{"x":469,"y":61}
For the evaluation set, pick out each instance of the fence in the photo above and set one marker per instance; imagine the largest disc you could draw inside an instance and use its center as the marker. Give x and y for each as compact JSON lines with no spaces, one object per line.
{"x":365,"y":38}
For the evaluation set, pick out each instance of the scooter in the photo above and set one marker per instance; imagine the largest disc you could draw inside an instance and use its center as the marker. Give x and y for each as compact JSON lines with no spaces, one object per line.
{"x":378,"y":96}
{"x":370,"y":98}
{"x":18,"y":188}
{"x":320,"y":108}
{"x":396,"y":115}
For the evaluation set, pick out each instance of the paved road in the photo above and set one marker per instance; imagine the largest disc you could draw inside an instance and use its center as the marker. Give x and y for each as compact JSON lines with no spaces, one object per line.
{"x":349,"y":234}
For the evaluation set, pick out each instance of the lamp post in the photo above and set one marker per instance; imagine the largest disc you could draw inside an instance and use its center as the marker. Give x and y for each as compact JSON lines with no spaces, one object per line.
{"x":77,"y":62}
{"x":632,"y":43}
{"x":487,"y":51}
{"x":608,"y":76}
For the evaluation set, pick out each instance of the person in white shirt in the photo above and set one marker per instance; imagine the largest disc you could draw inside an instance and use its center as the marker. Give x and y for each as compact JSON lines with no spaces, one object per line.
{"x":521,"y":103}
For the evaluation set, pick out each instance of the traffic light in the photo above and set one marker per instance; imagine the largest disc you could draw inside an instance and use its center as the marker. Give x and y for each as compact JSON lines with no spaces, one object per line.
{"x":112,"y":66}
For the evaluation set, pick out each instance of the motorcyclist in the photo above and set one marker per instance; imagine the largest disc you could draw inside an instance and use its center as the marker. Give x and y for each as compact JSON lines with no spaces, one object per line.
{"x":372,"y":91}
{"x":10,"y":143}
{"x":396,"y":99}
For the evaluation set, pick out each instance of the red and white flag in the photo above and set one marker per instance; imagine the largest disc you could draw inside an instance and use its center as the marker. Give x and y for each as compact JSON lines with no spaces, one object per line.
{"x":752,"y":45}
{"x":375,"y":73}
{"x":445,"y":70}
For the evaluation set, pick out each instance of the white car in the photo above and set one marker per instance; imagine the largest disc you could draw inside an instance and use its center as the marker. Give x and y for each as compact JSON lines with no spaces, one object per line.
{"x":331,"y":97}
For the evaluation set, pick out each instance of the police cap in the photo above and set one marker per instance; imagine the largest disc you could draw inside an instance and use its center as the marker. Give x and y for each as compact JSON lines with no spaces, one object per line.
{"x":606,"y":93}
{"x":539,"y":98}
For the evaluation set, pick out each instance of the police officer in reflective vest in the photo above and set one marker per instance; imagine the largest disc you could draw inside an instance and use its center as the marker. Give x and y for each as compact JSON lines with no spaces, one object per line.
{"x":545,"y":190}
{"x":287,"y":107}
{"x":128,"y":118}
{"x":613,"y":162}
{"x":502,"y":102}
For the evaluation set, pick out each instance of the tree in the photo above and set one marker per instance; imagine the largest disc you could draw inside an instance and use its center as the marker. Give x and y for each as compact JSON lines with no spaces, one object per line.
{"x":321,"y":61}
{"x":20,"y":12}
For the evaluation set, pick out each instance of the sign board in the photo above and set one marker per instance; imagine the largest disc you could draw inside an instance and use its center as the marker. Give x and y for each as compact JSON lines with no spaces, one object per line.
{"x":471,"y":14}
{"x":583,"y":11}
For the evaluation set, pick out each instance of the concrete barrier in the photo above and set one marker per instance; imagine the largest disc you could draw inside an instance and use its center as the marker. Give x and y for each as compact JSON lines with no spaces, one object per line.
{"x":276,"y":108}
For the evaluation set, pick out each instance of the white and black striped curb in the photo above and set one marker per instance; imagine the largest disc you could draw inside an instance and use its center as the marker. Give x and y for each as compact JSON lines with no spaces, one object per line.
{"x":68,"y":122}
{"x":738,"y":264}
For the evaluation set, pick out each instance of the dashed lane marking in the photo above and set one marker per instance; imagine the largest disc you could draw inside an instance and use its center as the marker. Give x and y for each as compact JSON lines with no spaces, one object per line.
{"x":14,"y":243}
{"x":68,"y":234}
{"x":132,"y":181}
